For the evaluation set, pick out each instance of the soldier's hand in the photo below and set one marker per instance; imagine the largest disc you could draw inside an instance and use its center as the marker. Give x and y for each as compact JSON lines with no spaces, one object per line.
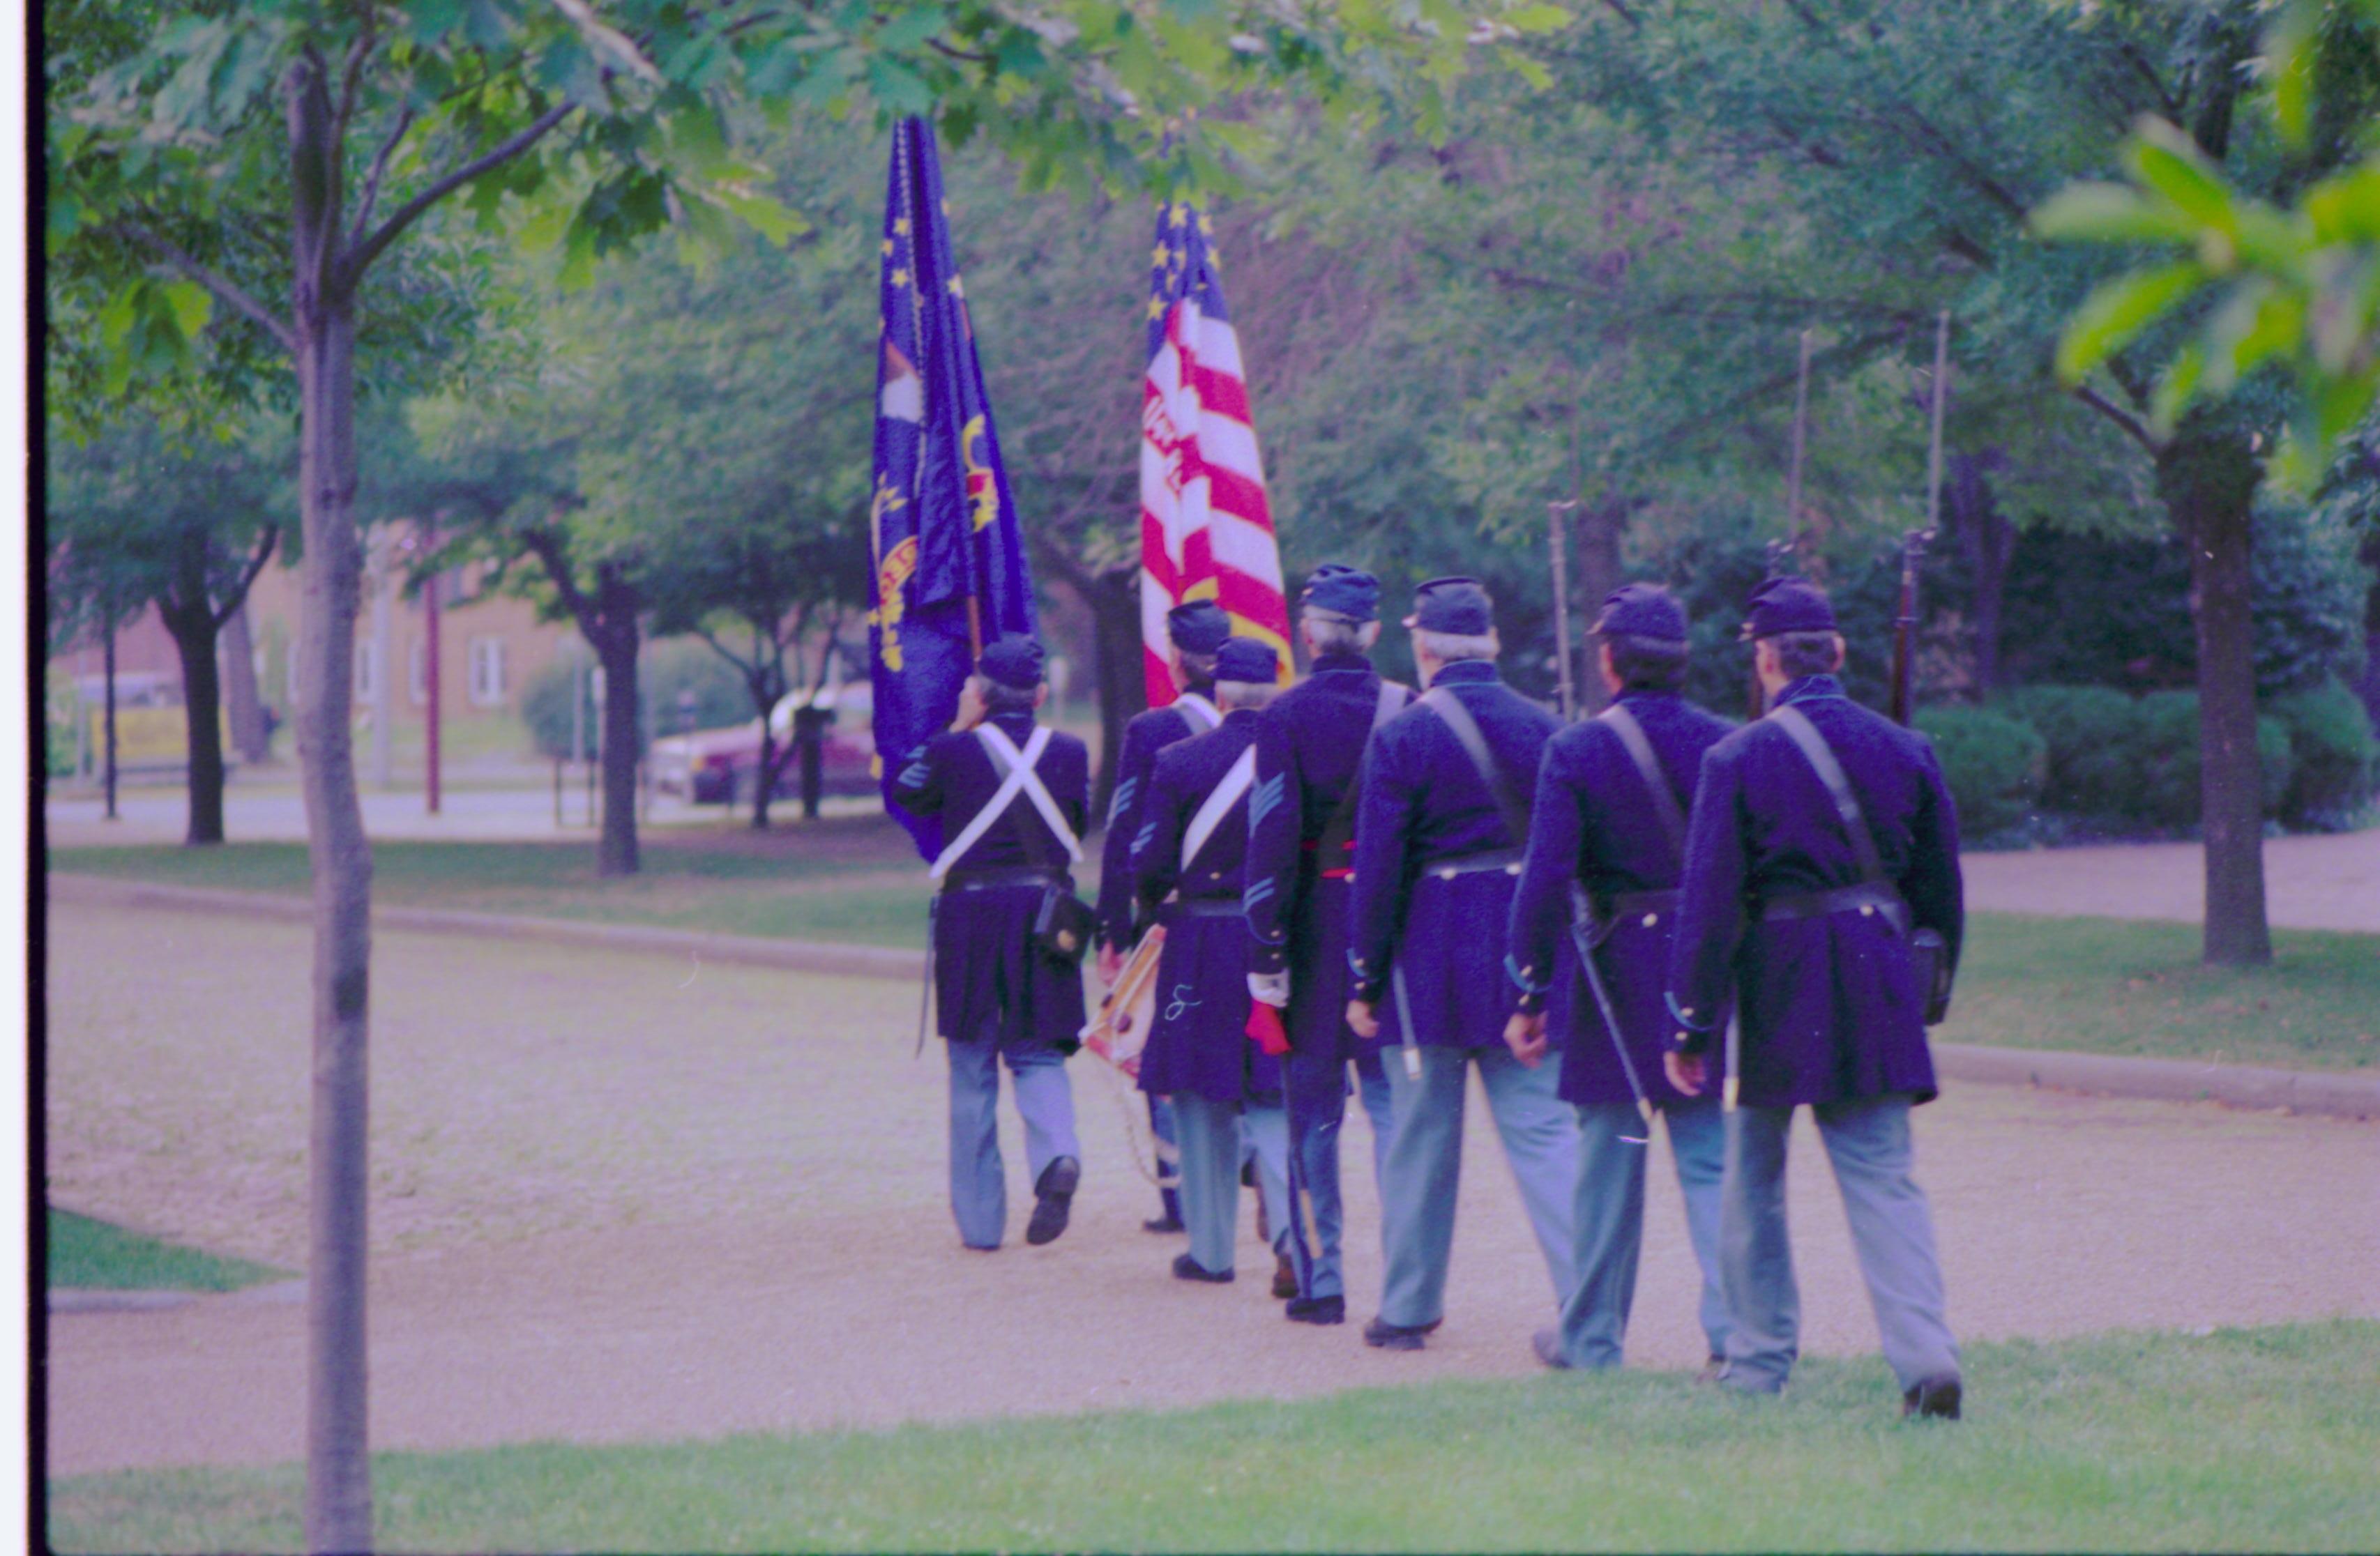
{"x":972,"y":710}
{"x":1361,"y":1020}
{"x":1686,"y":1071}
{"x":1524,"y":1034}
{"x":1111,"y":965}
{"x":1269,"y":988}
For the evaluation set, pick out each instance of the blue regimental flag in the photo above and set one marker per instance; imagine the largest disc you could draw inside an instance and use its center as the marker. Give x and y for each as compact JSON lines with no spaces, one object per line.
{"x":948,"y":561}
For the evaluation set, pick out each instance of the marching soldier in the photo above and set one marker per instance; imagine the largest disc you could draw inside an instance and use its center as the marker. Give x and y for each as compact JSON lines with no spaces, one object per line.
{"x":1012,"y":798}
{"x":1438,"y":849}
{"x":1301,"y":868}
{"x":1823,"y":843}
{"x":1197,"y":629}
{"x":1188,"y":860}
{"x":1608,"y":833}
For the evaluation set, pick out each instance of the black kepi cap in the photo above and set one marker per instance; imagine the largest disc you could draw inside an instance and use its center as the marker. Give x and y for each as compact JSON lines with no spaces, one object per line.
{"x":1249,"y":659}
{"x":1788,"y":604}
{"x":1458,"y":607}
{"x":1346,"y":592}
{"x":1198,"y":626}
{"x":1643,"y":610}
{"x":1013,"y":661}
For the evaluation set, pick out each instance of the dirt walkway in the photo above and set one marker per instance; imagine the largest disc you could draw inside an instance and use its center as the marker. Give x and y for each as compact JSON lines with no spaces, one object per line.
{"x":2311,"y":883}
{"x":624,"y":1197}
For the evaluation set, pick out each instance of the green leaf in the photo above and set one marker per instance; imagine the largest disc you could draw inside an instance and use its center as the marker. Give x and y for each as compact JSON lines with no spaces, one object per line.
{"x":2110,"y":213}
{"x":1536,"y":75}
{"x":912,"y":28}
{"x":2176,"y":387}
{"x":1536,"y":19}
{"x":2256,"y":321}
{"x":897,"y":89}
{"x":192,"y":306}
{"x":2119,"y":310}
{"x":2170,"y":162}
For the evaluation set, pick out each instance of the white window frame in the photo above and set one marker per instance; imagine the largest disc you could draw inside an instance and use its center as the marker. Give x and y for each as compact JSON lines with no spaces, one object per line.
{"x":367,"y":672}
{"x":488,"y":683}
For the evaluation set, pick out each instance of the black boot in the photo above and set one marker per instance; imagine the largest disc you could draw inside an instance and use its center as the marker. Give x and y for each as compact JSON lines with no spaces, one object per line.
{"x":1055,"y":1196}
{"x":1172,"y":1220}
{"x":1934,"y":1397}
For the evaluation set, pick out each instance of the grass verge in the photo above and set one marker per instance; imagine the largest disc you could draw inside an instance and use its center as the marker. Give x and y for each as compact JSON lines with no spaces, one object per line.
{"x":2136,"y":987}
{"x":2243,"y":1438}
{"x":91,"y":1254}
{"x":2096,"y":986}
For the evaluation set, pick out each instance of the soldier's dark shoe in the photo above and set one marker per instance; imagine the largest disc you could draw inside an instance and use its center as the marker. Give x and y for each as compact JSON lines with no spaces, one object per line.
{"x":1285,"y":1278}
{"x":1162,"y":1224}
{"x":1384,"y":1335}
{"x":1055,"y":1199}
{"x":1712,"y":1367}
{"x":1188,"y":1269}
{"x":1316,"y":1310}
{"x":1937,"y":1397}
{"x":1546,"y":1343}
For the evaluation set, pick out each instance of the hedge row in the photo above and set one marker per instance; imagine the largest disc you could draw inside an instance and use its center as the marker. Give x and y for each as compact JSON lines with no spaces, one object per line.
{"x":2094,"y":752}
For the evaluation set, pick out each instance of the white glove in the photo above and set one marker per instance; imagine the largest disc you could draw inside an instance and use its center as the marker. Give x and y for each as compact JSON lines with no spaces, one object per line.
{"x":1269,"y":988}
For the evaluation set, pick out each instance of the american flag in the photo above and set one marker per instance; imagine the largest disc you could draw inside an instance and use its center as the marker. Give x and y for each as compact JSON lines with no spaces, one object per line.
{"x":1205,"y":527}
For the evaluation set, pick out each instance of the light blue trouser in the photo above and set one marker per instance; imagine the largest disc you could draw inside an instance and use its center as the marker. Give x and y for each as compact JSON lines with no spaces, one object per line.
{"x":1213,"y":1136}
{"x":1169,"y":1157}
{"x":1609,"y":1212}
{"x":1318,"y":1103}
{"x":1892,"y":1231}
{"x":1046,"y":1103}
{"x":1425,"y":1167}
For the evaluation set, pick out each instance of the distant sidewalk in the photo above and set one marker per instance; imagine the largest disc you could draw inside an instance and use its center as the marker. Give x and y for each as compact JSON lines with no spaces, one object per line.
{"x":2310,"y":883}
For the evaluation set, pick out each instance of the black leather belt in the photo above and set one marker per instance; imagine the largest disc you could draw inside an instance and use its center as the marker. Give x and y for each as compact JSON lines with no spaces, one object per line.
{"x":1637,"y":904}
{"x":1015,"y":875}
{"x":1506,"y":860}
{"x":1841,"y":899}
{"x":1205,"y":908}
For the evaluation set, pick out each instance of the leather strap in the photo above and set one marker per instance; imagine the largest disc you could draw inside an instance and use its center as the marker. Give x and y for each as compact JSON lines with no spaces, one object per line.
{"x":1200,"y":710}
{"x":1796,"y":723}
{"x":1234,"y":788}
{"x":1340,"y":830}
{"x":1465,"y":730}
{"x":1640,"y":751}
{"x":1841,"y":899}
{"x":1021,"y":780}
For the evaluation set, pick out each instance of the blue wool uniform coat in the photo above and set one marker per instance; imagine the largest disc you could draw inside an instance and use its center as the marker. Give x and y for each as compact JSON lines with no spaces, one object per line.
{"x":1595,"y":823}
{"x":1310,"y":748}
{"x":988,"y":976}
{"x":1199,"y":1041}
{"x":1145,"y":734}
{"x":1424,"y":808}
{"x":1830,"y":1006}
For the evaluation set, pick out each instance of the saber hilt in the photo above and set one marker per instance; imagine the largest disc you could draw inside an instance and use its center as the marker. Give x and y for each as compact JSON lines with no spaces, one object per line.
{"x":1405,"y":1021}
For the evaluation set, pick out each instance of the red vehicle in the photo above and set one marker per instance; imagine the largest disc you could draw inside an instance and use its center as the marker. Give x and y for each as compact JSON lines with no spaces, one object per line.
{"x":722,"y":766}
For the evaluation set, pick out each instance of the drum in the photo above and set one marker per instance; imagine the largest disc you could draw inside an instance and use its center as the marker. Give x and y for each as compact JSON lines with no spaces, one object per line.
{"x":1121,"y":1029}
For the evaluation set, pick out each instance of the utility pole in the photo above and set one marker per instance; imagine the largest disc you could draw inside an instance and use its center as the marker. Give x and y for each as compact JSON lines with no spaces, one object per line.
{"x":383,"y":578}
{"x":429,"y":669}
{"x":107,"y":664}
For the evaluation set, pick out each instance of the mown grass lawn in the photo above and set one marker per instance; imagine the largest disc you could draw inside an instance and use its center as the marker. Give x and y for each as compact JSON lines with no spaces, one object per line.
{"x":93,"y":1254}
{"x":2101,"y":985}
{"x":2240,"y":1440}
{"x":2122,"y":986}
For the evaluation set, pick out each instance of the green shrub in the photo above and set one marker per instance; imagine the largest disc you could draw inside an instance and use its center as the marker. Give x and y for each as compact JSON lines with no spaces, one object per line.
{"x":545,"y":708}
{"x":2335,"y":760}
{"x":1994,"y":764}
{"x":2097,"y":739}
{"x":673,"y":668}
{"x":2168,"y":783}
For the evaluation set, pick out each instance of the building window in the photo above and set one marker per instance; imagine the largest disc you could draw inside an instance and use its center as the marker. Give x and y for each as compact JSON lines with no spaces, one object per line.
{"x":417,"y":674}
{"x":367,"y":672}
{"x":487,"y":672}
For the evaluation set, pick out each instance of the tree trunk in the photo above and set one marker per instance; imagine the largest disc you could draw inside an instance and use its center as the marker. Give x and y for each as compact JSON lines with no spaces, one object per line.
{"x":338,"y":1463}
{"x":1989,"y":542}
{"x":764,"y":781}
{"x":107,"y":739}
{"x":1114,"y":600}
{"x":1599,"y":572}
{"x":242,"y":705}
{"x":615,"y":647}
{"x":194,"y":641}
{"x":338,"y":1477}
{"x":2207,"y":477}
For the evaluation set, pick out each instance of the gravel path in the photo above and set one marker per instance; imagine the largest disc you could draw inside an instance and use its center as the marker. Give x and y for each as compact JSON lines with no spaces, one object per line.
{"x":622,"y":1197}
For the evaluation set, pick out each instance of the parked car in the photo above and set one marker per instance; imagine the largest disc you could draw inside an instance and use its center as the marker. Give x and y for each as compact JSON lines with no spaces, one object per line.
{"x":721,"y":767}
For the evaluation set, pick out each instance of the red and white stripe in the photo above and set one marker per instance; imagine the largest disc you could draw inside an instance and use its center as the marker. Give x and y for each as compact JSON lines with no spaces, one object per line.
{"x":1205,"y":525}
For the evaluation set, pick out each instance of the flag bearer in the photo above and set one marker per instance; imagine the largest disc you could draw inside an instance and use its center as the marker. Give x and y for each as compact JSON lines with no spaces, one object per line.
{"x":1012,"y":796}
{"x":1300,"y":880}
{"x":1197,"y":629}
{"x":1822,"y":843}
{"x":1610,"y":827}
{"x":1187,"y":865}
{"x":1438,"y":852}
